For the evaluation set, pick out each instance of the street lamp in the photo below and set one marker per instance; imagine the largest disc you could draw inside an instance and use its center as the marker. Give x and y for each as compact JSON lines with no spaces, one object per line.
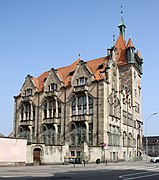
{"x":146,"y":133}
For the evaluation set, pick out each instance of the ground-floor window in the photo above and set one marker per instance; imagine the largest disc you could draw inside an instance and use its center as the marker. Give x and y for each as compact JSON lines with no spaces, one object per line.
{"x":113,"y":156}
{"x":78,"y":153}
{"x":72,"y":153}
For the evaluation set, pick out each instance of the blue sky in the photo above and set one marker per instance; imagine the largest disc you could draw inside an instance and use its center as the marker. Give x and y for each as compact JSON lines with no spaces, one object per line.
{"x":36,"y":35}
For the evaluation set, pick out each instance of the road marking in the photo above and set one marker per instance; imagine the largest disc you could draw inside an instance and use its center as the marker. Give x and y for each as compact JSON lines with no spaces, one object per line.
{"x":133,"y":174}
{"x":27,"y":174}
{"x":138,"y":177}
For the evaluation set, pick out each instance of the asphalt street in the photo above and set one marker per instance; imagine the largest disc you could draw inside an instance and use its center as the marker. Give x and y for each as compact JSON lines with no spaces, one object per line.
{"x":113,"y":171}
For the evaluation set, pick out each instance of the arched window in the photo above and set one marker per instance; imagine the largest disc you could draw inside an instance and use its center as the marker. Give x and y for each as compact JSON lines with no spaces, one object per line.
{"x":24,"y":132}
{"x":138,"y":142}
{"x":81,"y":133}
{"x":77,"y":134}
{"x":130,"y":140}
{"x":44,"y":135}
{"x":52,"y":135}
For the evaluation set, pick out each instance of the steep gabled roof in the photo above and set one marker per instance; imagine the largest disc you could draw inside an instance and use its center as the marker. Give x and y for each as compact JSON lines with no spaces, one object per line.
{"x":130,"y":43}
{"x":138,"y":53}
{"x":66,"y":73}
{"x":39,"y":82}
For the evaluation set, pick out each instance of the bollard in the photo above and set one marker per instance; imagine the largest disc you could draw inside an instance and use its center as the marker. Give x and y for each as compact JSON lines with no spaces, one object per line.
{"x":84,"y":163}
{"x":106,"y":162}
{"x":74,"y":162}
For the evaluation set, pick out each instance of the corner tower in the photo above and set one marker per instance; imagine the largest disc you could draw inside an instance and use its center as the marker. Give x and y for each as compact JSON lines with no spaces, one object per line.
{"x":130,"y":73}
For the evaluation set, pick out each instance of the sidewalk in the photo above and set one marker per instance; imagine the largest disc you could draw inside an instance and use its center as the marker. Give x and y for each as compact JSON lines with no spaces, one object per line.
{"x":91,"y":165}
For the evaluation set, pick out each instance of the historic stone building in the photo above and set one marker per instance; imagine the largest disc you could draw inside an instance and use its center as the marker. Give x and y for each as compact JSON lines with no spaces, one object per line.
{"x":90,"y":109}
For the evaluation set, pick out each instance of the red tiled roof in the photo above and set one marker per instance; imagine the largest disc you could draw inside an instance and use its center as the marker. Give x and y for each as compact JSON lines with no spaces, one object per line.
{"x":65,"y":74}
{"x":39,"y":82}
{"x":121,"y":49}
{"x":130,"y":44}
{"x":138,"y":53}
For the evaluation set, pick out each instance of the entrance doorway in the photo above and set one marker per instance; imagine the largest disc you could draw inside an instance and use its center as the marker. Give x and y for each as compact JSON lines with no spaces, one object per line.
{"x":37,"y":156}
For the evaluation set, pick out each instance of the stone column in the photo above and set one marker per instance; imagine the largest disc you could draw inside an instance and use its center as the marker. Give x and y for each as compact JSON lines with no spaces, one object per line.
{"x":31,"y":109}
{"x":87,"y":103}
{"x":47,"y":108}
{"x":76,"y":99}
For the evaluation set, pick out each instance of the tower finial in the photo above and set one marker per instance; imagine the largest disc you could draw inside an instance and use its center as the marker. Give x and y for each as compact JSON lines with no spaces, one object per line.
{"x":113,"y":39}
{"x":122,"y":25}
{"x":121,"y":10}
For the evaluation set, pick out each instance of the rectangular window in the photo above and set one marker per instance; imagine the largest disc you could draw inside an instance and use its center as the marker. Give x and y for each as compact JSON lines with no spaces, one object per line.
{"x":82,"y":105}
{"x":90,"y":105}
{"x":59,"y":109}
{"x":28,"y":92}
{"x":51,"y":109}
{"x":74,"y":107}
{"x":33,"y":112}
{"x":72,"y":153}
{"x":91,"y":138}
{"x":90,"y":127}
{"x":53,"y":87}
{"x":78,"y":153}
{"x":45,"y":110}
{"x":82,"y":81}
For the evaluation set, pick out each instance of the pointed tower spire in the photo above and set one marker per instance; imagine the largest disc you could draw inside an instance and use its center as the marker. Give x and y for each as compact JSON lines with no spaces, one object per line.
{"x":121,"y":25}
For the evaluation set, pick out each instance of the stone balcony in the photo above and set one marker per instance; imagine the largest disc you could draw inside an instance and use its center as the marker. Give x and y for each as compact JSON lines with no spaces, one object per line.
{"x":80,"y":118}
{"x":79,"y":89}
{"x":50,"y":94}
{"x":50,"y":120}
{"x":27,"y":122}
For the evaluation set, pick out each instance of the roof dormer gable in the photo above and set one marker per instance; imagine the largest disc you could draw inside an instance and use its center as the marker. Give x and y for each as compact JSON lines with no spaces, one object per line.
{"x":82,"y":75}
{"x":52,"y":82}
{"x":28,"y":88}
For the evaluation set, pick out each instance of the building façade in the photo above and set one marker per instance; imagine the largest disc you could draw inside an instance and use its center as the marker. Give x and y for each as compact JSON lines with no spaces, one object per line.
{"x":90,"y":109}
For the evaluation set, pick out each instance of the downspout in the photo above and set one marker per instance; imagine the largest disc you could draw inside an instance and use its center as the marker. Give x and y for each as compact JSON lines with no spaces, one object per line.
{"x":97,"y":113}
{"x":15,"y":117}
{"x":37,"y":132}
{"x":64,"y":116}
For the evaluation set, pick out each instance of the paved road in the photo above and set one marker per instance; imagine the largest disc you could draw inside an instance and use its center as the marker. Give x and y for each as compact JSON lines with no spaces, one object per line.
{"x":122,"y":171}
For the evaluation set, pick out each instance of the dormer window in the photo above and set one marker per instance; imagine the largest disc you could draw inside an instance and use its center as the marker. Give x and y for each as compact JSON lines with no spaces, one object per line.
{"x":82,"y":81}
{"x":28,"y":92}
{"x":52,"y":87}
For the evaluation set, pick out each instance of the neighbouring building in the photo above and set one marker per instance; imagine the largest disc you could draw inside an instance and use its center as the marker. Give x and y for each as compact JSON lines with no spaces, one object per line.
{"x":152,"y":147}
{"x":90,"y":109}
{"x":13,"y":151}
